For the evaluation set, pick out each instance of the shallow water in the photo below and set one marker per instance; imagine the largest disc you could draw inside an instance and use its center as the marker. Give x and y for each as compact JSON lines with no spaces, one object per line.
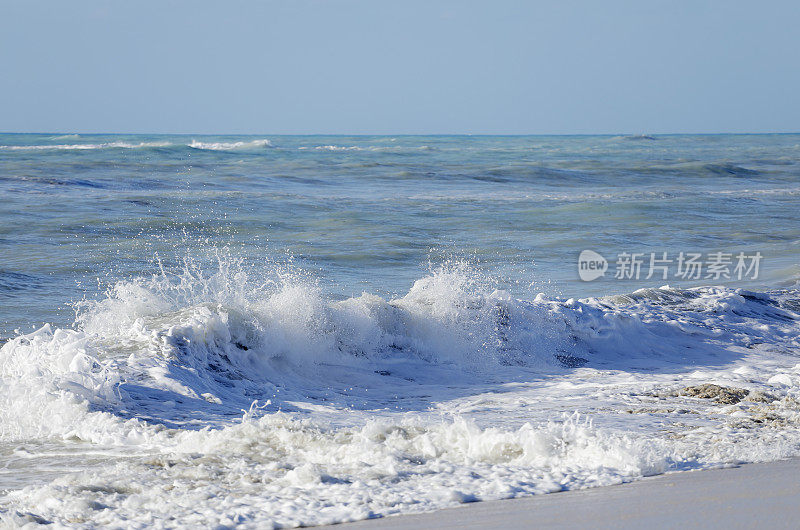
{"x":301,"y":330}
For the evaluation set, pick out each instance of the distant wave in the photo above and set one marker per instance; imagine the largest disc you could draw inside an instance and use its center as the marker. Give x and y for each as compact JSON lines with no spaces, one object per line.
{"x":194,"y":144}
{"x":726,"y":169}
{"x":635,"y":137}
{"x":337,"y":148}
{"x":698,"y":168}
{"x":257,"y":144}
{"x":81,"y":147}
{"x":230,"y":146}
{"x":383,"y":148}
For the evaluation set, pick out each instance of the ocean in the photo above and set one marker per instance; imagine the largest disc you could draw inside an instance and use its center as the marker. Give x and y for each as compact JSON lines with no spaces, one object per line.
{"x":276,"y":331}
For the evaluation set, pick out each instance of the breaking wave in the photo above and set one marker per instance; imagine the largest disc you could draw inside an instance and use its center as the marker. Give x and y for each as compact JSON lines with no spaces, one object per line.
{"x":194,"y":144}
{"x":165,"y":366}
{"x":229,"y":338}
{"x":83,"y":147}
{"x":230,"y":146}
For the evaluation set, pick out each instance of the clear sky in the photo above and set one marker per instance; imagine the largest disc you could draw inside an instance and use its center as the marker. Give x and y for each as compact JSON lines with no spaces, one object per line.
{"x":401,"y":66}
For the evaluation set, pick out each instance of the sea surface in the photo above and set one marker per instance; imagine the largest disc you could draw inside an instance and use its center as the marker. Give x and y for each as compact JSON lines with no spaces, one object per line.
{"x":279,"y":331}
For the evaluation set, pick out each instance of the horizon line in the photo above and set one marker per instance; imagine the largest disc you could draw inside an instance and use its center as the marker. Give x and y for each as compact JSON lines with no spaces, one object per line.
{"x":643,"y":134}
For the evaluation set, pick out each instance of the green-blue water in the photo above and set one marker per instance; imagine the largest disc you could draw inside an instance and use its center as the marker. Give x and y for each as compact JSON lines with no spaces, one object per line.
{"x":371,"y":213}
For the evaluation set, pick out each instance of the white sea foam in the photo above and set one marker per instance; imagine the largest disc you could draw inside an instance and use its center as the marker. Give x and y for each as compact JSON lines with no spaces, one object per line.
{"x":195,"y":144}
{"x":378,"y":148}
{"x":454,"y":392}
{"x":80,"y":147}
{"x":230,"y":146}
{"x":338,"y":148}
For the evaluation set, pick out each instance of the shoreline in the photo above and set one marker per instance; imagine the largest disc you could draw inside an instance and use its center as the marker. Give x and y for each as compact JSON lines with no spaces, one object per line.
{"x":747,"y":496}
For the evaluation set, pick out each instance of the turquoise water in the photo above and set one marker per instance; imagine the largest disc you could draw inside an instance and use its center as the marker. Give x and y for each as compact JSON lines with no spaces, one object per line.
{"x":373,"y":213}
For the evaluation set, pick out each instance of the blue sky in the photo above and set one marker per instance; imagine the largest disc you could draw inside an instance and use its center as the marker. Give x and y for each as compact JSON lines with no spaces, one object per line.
{"x":374,"y":66}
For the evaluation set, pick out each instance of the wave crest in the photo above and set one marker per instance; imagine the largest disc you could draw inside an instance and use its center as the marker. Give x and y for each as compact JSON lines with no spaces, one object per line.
{"x":230,"y":146}
{"x":84,"y":147}
{"x":211,"y":343}
{"x":194,"y":144}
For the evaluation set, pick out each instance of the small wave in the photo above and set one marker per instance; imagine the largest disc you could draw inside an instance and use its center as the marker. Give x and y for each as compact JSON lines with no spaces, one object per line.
{"x":721,"y":168}
{"x":81,"y":147}
{"x":194,"y":144}
{"x":17,"y":281}
{"x":373,"y":148}
{"x":230,"y":146}
{"x":634,"y":137}
{"x":730,"y":169}
{"x":338,"y":148}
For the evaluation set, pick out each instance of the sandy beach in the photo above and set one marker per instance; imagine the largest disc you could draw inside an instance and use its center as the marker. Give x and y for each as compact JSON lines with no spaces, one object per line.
{"x":750,"y":496}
